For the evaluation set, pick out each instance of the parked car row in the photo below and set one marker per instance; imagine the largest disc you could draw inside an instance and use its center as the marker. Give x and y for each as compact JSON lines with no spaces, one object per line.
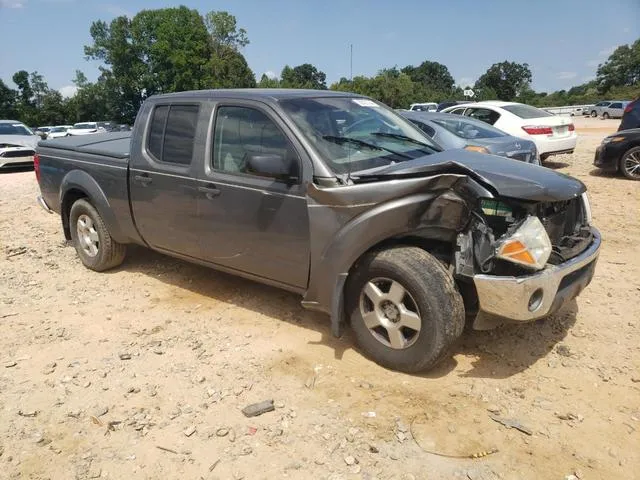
{"x":608,"y":109}
{"x":82,"y":128}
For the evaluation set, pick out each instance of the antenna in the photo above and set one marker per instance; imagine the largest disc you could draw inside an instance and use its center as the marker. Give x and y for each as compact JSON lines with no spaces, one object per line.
{"x":351,"y":64}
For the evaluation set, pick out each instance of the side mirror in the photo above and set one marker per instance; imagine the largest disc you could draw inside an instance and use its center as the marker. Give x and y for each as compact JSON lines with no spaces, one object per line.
{"x":272,"y":165}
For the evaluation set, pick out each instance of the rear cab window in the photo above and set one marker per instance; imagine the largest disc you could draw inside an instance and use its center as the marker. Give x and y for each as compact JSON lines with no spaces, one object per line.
{"x":526,"y":111}
{"x":172,"y":132}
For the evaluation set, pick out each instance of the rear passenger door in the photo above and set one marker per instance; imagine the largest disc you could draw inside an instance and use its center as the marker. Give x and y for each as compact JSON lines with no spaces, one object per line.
{"x":615,"y":109}
{"x":251,"y":223}
{"x":163,"y":185}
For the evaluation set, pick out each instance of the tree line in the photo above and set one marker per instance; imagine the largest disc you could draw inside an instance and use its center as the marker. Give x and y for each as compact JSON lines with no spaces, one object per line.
{"x":176,"y":49}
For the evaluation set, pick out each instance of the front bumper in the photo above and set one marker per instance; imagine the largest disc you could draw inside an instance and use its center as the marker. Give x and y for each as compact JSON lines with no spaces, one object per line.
{"x":18,"y":161}
{"x":540,"y":294}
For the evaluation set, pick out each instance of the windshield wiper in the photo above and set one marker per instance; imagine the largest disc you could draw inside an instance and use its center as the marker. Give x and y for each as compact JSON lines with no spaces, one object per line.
{"x":403,"y":137}
{"x":362,"y":143}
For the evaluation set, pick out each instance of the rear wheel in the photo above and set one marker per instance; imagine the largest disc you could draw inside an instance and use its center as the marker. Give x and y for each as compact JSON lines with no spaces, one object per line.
{"x":404,"y":308}
{"x":605,"y":115}
{"x":95,"y":246}
{"x":630,"y":164}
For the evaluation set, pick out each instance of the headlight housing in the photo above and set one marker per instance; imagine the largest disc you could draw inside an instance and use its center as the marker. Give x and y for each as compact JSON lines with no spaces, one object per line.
{"x":528,"y":246}
{"x":614,"y":139}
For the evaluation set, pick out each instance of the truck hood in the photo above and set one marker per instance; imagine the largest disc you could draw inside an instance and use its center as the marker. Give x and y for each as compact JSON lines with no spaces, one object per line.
{"x":508,"y":178}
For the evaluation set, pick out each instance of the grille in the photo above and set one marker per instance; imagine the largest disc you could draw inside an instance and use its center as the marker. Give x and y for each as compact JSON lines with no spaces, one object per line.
{"x":565,"y":224}
{"x":17,"y":153}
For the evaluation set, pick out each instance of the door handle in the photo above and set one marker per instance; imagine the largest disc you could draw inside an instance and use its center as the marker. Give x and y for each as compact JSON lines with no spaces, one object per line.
{"x":209,"y":192}
{"x":143,"y":179}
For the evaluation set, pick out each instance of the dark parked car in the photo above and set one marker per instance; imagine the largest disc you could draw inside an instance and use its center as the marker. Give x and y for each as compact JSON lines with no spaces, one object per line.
{"x":620,"y":152}
{"x":631,"y":116}
{"x":337,"y":198}
{"x":456,"y":131}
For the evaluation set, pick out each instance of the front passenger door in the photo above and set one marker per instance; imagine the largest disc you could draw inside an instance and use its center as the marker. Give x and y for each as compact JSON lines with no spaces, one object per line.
{"x":251,"y":223}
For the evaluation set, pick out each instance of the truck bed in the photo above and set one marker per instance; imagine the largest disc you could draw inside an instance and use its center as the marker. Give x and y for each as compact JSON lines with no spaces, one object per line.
{"x":114,"y":145}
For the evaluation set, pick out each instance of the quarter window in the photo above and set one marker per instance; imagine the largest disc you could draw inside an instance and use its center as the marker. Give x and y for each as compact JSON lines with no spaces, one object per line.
{"x":241,"y":132}
{"x":172,"y":133}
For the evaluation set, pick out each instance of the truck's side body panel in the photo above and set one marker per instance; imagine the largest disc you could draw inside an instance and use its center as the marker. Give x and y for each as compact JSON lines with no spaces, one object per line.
{"x":66,"y":174}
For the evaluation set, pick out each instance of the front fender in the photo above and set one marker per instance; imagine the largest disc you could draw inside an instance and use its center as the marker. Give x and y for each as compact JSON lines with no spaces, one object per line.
{"x":429,"y":215}
{"x":79,"y":180}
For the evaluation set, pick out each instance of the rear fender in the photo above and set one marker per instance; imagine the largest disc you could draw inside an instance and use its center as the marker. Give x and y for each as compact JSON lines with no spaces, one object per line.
{"x":80,"y":181}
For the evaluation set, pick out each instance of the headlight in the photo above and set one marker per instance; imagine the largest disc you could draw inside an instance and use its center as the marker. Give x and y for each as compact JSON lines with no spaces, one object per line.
{"x":587,"y":207}
{"x":529,"y":246}
{"x":614,"y":139}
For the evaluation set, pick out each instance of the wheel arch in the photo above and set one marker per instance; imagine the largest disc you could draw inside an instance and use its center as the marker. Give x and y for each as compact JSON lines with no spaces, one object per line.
{"x":427,"y":220}
{"x":78,"y":184}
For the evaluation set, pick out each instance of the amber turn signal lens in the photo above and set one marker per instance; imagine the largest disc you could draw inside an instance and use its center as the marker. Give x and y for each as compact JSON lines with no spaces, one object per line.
{"x":476,"y":148}
{"x":516,"y":250}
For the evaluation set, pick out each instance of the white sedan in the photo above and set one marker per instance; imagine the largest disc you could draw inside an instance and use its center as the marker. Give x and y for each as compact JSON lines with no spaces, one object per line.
{"x":552,"y":134}
{"x":85,"y":128}
{"x":17,"y":144}
{"x":59,"y":131}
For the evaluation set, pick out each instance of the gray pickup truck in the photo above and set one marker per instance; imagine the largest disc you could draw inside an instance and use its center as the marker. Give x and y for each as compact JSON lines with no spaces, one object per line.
{"x":335,"y":197}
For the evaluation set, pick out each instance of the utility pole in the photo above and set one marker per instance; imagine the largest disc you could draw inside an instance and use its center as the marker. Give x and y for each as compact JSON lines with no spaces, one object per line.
{"x":351,"y":64}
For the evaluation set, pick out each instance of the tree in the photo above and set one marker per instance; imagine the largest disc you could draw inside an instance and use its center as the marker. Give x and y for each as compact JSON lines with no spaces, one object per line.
{"x":222,"y":27}
{"x":303,"y":76}
{"x":7,"y":101}
{"x":432,"y":75}
{"x":622,"y":68}
{"x":268,"y":82}
{"x":507,"y":79}
{"x":165,"y":50}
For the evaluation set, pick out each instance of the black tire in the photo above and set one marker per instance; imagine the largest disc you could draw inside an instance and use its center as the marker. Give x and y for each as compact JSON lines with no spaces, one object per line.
{"x":594,"y":114}
{"x":110,"y":253}
{"x":431,"y":290}
{"x":631,"y":155}
{"x":605,"y":116}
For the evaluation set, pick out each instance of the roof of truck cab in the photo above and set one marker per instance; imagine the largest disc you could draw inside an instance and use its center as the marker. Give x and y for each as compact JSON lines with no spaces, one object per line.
{"x":273,"y":94}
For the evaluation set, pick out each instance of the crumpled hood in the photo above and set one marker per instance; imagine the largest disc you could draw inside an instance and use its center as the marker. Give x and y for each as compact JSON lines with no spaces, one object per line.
{"x":30,"y":141}
{"x":509,"y":178}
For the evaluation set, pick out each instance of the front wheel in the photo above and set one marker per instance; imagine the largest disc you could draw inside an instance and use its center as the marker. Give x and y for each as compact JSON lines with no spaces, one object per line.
{"x":93,"y":243}
{"x":630,"y":164}
{"x":404,"y":308}
{"x":594,"y":114}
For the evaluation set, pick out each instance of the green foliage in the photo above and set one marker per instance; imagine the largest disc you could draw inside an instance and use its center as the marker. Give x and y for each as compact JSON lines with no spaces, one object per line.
{"x":433,"y":76}
{"x":222,"y":26}
{"x":7,"y":102}
{"x":303,"y":76}
{"x":266,"y":82}
{"x":507,"y":79}
{"x":622,"y":68}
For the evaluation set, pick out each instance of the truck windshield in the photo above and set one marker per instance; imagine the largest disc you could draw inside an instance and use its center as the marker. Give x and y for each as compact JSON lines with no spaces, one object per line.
{"x":353,"y":134}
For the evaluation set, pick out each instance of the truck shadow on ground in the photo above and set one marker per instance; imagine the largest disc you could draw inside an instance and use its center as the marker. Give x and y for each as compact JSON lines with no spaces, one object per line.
{"x":498,"y":353}
{"x":554,"y":165}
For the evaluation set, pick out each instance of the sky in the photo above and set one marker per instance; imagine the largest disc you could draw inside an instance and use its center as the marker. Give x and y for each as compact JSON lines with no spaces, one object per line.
{"x":563,"y":41}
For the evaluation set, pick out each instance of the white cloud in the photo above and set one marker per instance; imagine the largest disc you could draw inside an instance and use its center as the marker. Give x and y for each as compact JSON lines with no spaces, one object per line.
{"x":593,"y":63}
{"x":566,"y":75}
{"x":12,"y":3}
{"x":607,"y":51}
{"x":68,"y":91}
{"x":270,"y":75}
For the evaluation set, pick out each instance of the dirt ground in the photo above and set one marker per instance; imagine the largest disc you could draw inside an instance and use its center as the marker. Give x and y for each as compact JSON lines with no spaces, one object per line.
{"x":142,"y":372}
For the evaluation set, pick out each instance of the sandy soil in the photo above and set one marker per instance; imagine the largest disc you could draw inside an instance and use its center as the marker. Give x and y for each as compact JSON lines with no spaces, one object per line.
{"x":142,"y":372}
